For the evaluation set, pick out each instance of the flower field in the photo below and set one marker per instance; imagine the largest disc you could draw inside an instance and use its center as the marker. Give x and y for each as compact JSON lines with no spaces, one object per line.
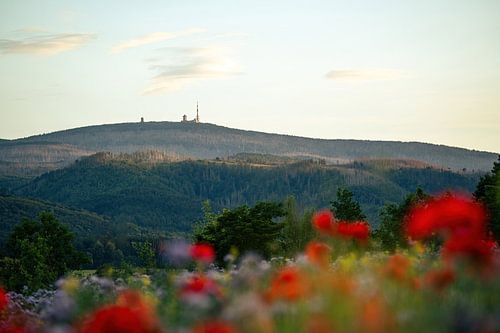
{"x":447,"y":280}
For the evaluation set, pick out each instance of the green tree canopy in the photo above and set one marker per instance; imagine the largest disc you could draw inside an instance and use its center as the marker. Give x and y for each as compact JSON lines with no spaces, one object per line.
{"x":488,"y":192}
{"x":345,"y":207}
{"x":390,"y":232}
{"x":38,"y":252}
{"x":244,"y":228}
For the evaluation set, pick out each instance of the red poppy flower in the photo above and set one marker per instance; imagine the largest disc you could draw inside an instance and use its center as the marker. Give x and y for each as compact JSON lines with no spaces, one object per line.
{"x":450,"y":215}
{"x":202,"y":252}
{"x":439,"y":279}
{"x":288,"y":284}
{"x":358,"y":230}
{"x":215,"y":326}
{"x":199,"y":284}
{"x":318,"y":253}
{"x":478,"y":250}
{"x":4,"y":299}
{"x":397,"y":267}
{"x":323,"y":221}
{"x":118,"y":319}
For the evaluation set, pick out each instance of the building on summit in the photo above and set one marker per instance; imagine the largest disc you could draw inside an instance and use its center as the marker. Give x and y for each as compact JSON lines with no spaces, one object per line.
{"x":195,"y":120}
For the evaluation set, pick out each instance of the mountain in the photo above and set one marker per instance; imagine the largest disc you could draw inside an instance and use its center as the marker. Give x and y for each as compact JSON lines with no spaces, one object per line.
{"x":167,"y":195}
{"x":41,"y":153}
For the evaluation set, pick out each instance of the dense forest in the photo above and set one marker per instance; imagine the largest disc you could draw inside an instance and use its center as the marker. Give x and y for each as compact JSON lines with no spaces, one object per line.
{"x":168,"y":196}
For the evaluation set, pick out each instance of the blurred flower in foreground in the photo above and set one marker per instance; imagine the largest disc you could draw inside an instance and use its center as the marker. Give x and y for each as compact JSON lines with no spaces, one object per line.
{"x":438,"y":279}
{"x":176,"y":252}
{"x":202,"y":252}
{"x":357,"y":230}
{"x":288,"y":284}
{"x":449,"y":215}
{"x":323,"y":221}
{"x":215,"y":326}
{"x":4,"y":299}
{"x":318,"y":253}
{"x":460,"y":221}
{"x":130,"y":314}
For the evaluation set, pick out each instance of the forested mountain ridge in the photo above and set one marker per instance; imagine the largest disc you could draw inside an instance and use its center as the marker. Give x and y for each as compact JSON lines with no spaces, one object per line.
{"x":208,"y":141}
{"x":167,"y":196}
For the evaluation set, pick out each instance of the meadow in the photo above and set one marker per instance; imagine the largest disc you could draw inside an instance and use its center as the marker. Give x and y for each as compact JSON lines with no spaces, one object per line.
{"x":446,"y":280}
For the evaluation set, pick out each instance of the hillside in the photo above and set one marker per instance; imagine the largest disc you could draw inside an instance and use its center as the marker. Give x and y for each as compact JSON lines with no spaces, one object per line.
{"x":85,"y":224}
{"x":208,"y":141}
{"x":167,"y":196}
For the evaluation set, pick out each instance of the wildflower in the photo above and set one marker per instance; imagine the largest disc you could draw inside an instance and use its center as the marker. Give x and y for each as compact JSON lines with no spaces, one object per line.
{"x":4,"y":299}
{"x":215,"y":326}
{"x":397,"y":267}
{"x":199,"y":284}
{"x":318,"y":253}
{"x":439,"y":279}
{"x":375,"y":316}
{"x":357,"y":230}
{"x":288,"y":284}
{"x":451,"y":215}
{"x":130,"y":314}
{"x":202,"y":252}
{"x":323,"y":221}
{"x":480,"y":251}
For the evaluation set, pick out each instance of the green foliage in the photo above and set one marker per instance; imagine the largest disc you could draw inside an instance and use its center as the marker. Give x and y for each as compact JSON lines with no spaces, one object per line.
{"x":297,"y":228}
{"x":243,"y":228}
{"x":488,"y":192}
{"x":38,"y":253}
{"x":345,"y":208}
{"x":390,"y":232}
{"x":146,"y":253}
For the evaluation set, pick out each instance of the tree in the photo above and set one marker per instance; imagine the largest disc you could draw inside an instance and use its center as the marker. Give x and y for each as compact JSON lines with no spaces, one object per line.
{"x":345,"y":208}
{"x":38,"y":252}
{"x":243,"y":228}
{"x":488,"y":192}
{"x":297,"y":228}
{"x":391,"y":233}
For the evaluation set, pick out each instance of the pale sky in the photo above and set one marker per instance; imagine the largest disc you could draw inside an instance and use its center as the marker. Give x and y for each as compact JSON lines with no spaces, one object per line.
{"x":426,"y":70}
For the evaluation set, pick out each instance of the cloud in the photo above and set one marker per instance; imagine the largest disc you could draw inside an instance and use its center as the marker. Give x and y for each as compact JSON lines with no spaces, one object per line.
{"x":152,"y":38}
{"x":364,"y":74}
{"x":47,"y":44}
{"x":182,"y":66}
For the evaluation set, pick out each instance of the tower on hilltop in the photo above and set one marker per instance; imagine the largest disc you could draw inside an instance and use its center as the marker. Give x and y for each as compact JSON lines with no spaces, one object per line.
{"x":197,"y":119}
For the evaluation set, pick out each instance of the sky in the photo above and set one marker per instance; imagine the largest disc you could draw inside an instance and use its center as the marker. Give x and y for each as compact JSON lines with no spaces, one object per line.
{"x":426,"y":70}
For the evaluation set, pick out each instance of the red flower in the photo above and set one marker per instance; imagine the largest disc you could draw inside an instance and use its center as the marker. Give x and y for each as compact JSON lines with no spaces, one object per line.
{"x":288,"y":284}
{"x":318,"y":253}
{"x":450,"y":215}
{"x":323,"y":222}
{"x":4,"y":299}
{"x":215,"y":326}
{"x":199,"y":284}
{"x":117,"y":319}
{"x":439,"y":279}
{"x":202,"y":252}
{"x":480,"y":251}
{"x":357,"y":230}
{"x":131,"y":314}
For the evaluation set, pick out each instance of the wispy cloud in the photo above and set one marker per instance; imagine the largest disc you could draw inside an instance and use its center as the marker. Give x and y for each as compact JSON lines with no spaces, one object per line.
{"x":152,"y":38}
{"x":182,"y":66}
{"x":46,"y":44}
{"x":364,"y":74}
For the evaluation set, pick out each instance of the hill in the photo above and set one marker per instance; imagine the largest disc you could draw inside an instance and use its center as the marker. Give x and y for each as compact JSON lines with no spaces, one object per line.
{"x":85,"y":224}
{"x":208,"y":141}
{"x":167,"y":195}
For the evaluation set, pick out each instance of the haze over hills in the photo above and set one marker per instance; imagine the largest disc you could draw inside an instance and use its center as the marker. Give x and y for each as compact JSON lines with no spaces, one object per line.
{"x":207,"y":141}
